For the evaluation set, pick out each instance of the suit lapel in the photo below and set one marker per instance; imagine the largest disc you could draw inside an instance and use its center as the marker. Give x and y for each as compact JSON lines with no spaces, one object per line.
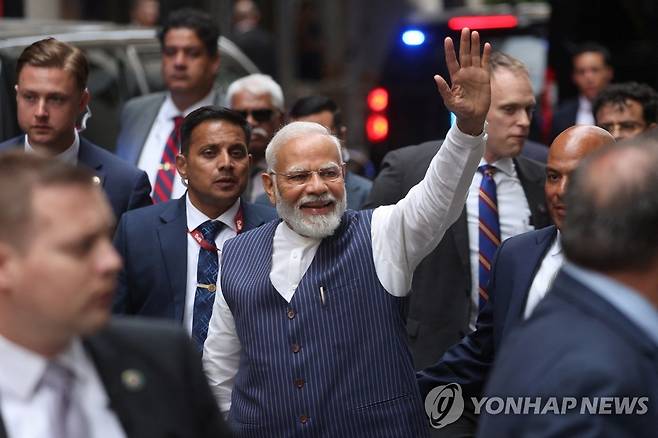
{"x":3,"y":432}
{"x":172,"y":236}
{"x":532,"y":259}
{"x":532,"y":181}
{"x":89,"y":158}
{"x":141,"y":129}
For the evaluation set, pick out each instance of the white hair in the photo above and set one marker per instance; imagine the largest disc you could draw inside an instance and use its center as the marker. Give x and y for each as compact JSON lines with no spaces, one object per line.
{"x":257,"y":83}
{"x":293,"y":131}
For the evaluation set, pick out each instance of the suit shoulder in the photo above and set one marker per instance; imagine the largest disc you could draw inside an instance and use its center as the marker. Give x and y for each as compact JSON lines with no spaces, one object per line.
{"x":358,"y":181}
{"x":11,"y":143}
{"x":415,"y":153}
{"x":137,"y":103}
{"x":265,"y":212}
{"x":111,"y":161}
{"x":148,"y":214}
{"x":530,"y":168}
{"x":136,"y":334}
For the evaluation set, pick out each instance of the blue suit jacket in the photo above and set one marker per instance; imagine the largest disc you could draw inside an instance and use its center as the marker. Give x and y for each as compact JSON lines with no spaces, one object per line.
{"x":153,"y":244}
{"x":469,"y":362}
{"x":575,"y":345}
{"x":126,"y":186}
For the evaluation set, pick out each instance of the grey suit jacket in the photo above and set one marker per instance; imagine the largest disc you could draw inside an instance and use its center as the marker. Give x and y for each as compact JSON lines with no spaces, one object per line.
{"x":170,"y":396}
{"x":439,"y":306}
{"x":137,"y":118}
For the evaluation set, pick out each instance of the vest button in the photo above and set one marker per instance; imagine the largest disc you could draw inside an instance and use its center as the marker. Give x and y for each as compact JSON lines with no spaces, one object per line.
{"x":291,"y":313}
{"x":295,"y":348}
{"x":303,"y":419}
{"x":299,"y":383}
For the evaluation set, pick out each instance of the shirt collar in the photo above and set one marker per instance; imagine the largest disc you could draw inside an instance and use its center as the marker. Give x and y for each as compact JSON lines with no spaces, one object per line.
{"x":195,"y":217}
{"x":21,"y":369}
{"x":169,"y":110}
{"x":625,"y":299}
{"x":296,"y":238}
{"x":505,"y":165}
{"x":584,"y":104}
{"x":556,"y":247}
{"x":70,"y":155}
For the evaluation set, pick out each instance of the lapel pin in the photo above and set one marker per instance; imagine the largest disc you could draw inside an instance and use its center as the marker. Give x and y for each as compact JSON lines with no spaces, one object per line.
{"x":96,"y":180}
{"x":133,"y":379}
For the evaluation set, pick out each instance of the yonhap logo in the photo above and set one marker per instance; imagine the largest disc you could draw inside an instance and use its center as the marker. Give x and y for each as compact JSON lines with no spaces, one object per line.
{"x":444,"y":405}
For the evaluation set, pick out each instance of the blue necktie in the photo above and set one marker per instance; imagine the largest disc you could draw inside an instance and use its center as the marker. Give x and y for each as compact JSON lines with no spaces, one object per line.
{"x":206,"y":278}
{"x":489,"y":228}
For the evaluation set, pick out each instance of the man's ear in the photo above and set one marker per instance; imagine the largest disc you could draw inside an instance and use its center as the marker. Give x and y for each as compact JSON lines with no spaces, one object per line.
{"x":84,"y":100}
{"x":268,"y":185}
{"x":181,"y":165}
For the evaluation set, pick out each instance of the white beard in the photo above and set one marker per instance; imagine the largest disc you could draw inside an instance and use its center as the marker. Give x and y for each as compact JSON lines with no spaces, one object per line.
{"x":313,"y":226}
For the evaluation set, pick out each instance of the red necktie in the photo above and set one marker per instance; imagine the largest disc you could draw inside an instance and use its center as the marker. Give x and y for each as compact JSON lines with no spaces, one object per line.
{"x":164,"y":181}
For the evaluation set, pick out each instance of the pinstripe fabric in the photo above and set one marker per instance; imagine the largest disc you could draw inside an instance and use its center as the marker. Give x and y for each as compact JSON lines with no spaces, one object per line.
{"x":356,"y":371}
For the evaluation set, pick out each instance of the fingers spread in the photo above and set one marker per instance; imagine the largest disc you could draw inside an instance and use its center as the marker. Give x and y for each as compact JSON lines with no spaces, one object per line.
{"x":443,"y":88}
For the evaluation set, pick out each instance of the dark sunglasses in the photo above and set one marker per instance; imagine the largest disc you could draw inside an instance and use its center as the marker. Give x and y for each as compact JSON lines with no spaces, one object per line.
{"x":259,"y":115}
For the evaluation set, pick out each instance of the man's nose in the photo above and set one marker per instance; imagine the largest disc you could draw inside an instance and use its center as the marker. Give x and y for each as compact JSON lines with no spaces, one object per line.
{"x":316,"y":185}
{"x":42,"y":108}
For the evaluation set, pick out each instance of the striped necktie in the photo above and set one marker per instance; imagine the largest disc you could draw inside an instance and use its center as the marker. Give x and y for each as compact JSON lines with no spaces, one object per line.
{"x":67,"y":417}
{"x":489,"y":228}
{"x":206,"y":276}
{"x":164,"y":180}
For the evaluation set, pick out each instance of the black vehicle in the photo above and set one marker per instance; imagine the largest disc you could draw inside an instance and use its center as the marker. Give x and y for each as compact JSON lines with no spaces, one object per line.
{"x":405,"y":107}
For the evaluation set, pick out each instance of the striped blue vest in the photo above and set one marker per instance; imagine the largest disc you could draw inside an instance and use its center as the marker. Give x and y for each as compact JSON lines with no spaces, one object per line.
{"x":328,"y":364}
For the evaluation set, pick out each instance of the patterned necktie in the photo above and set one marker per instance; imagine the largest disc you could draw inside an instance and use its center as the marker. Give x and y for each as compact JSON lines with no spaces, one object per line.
{"x":164,"y":180}
{"x":489,"y":228}
{"x":67,"y":418}
{"x":206,"y":278}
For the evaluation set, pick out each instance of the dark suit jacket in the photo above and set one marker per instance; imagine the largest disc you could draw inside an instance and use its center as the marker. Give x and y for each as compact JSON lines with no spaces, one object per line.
{"x":564,"y":117}
{"x":513,"y":270}
{"x":137,"y":117}
{"x":153,"y":244}
{"x":439,"y":306}
{"x":575,"y":345}
{"x":126,"y":186}
{"x":173,"y":400}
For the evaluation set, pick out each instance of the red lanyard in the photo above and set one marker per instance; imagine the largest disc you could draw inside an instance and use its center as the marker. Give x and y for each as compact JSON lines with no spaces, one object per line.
{"x":210,"y":246}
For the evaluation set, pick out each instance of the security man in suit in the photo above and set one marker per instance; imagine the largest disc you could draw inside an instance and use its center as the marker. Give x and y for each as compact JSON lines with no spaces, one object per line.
{"x":66,"y":370}
{"x":446,"y":285}
{"x":591,"y":346}
{"x":522,"y":273}
{"x":167,"y":247}
{"x":190,"y":61}
{"x":51,"y":91}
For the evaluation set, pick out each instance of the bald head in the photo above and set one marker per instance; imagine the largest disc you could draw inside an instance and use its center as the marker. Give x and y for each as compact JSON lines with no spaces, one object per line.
{"x":566,"y":152}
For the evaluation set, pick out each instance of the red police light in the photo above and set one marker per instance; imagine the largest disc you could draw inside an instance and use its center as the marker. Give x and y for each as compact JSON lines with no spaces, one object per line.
{"x":377,"y":128}
{"x":378,"y":99}
{"x":478,"y":22}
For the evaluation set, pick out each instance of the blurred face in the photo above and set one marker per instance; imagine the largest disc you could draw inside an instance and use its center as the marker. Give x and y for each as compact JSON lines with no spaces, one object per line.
{"x":216,"y":166}
{"x":63,"y":283}
{"x":509,"y":116}
{"x":48,"y":103}
{"x":622,"y":121}
{"x":187,"y":68}
{"x":564,"y":155}
{"x":263,"y":117}
{"x":311,"y":203}
{"x":590,"y":74}
{"x":324,"y":118}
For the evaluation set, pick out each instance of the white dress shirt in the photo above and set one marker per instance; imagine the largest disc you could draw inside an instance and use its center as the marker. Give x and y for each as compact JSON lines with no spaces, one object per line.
{"x":552,"y":262}
{"x":151,"y":155}
{"x":70,"y":155}
{"x":513,"y":216}
{"x":402,"y":235}
{"x":25,"y":404}
{"x":194,"y":219}
{"x":584,"y":115}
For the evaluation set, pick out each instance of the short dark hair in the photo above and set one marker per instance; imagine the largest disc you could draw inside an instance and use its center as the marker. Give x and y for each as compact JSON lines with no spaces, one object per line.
{"x":210,"y":112}
{"x":20,"y":174}
{"x":588,"y":47}
{"x":51,"y":53}
{"x":612,"y":214}
{"x":309,"y":105}
{"x":618,"y":94}
{"x":202,"y":23}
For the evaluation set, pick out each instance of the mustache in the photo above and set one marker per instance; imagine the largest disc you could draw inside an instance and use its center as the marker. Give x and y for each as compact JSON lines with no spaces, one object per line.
{"x":260,"y":132}
{"x":326,"y":197}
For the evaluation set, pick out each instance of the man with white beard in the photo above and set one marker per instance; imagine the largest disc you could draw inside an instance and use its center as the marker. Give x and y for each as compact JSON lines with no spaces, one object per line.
{"x":306,"y":335}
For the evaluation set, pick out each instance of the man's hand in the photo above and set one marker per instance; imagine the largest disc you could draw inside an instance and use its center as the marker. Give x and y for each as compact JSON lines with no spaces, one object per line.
{"x":470,"y":94}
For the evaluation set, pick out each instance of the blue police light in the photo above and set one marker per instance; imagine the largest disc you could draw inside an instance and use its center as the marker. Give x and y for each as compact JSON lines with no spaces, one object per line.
{"x":413,"y":37}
